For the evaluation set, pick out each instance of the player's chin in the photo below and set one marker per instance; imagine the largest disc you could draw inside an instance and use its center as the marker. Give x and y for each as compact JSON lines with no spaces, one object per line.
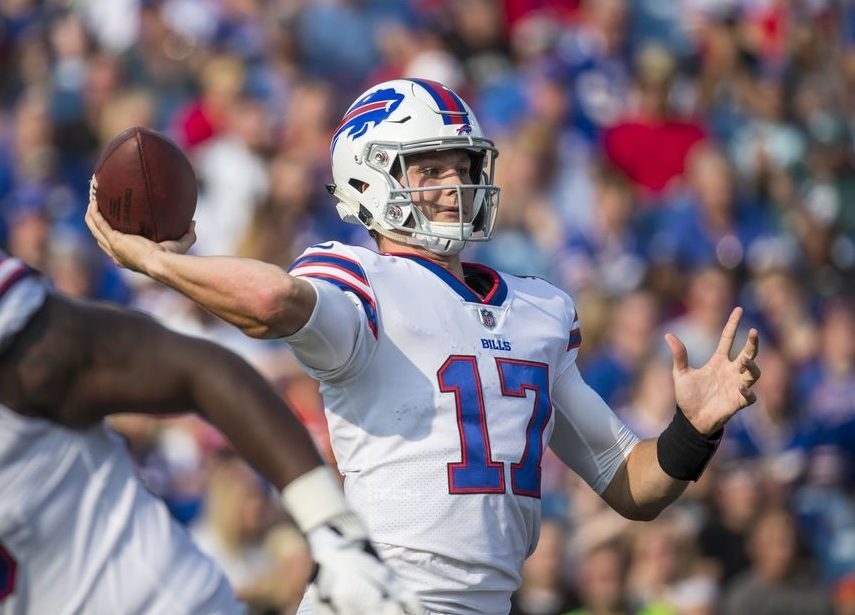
{"x":447,"y":215}
{"x":447,"y":219}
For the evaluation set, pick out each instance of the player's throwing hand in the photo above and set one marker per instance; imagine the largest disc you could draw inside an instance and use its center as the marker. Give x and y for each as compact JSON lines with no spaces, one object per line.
{"x":127,"y":250}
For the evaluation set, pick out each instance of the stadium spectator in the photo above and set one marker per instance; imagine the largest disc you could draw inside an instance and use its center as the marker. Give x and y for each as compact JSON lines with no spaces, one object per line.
{"x":602,"y":581}
{"x":779,"y":582}
{"x":605,"y":253}
{"x":651,"y":142}
{"x":612,"y":368}
{"x":666,"y":576}
{"x":546,"y":588}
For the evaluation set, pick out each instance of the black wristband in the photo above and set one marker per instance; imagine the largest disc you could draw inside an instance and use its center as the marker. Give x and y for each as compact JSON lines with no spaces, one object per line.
{"x":683,"y":451}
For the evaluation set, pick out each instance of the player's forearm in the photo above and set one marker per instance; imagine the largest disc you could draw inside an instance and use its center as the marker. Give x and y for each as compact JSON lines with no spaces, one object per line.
{"x":641,"y":489}
{"x":259,"y":298}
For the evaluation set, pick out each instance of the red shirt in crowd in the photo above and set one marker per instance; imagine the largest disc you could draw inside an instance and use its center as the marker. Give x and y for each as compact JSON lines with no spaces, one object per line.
{"x":652,"y":152}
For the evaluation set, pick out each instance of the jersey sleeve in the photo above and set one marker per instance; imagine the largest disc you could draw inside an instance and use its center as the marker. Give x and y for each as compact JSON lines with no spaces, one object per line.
{"x":342,"y":330}
{"x":574,"y":338}
{"x":588,"y":437}
{"x":22,"y":293}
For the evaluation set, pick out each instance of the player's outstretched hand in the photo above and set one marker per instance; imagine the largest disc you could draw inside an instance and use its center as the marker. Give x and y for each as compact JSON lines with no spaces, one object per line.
{"x":712,"y":394}
{"x":129,"y":251}
{"x":351,"y":578}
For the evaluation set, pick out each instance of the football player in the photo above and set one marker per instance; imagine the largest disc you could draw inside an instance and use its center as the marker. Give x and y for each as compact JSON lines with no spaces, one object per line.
{"x":444,"y":381}
{"x":79,"y":533}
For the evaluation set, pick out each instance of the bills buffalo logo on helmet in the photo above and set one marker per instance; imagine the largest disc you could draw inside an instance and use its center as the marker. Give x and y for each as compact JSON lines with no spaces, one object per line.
{"x":369,"y":110}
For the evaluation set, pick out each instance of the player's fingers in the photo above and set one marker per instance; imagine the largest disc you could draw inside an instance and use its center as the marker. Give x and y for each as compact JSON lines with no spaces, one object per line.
{"x":752,"y":368}
{"x":93,"y":189}
{"x":188,"y":239}
{"x":103,"y":242}
{"x":749,"y":395}
{"x":100,"y":236}
{"x":100,"y":220}
{"x":88,"y":215}
{"x":93,"y":194}
{"x":92,"y":209}
{"x":92,"y":223}
{"x":678,"y":352}
{"x":752,"y":345}
{"x":95,"y":221}
{"x":728,"y":334}
{"x":94,"y":215}
{"x":183,"y":243}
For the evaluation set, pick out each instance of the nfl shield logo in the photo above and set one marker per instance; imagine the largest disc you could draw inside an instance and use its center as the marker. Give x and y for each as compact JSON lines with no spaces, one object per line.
{"x":487,"y":318}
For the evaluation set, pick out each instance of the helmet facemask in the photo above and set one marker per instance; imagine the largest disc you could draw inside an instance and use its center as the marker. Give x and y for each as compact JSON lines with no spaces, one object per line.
{"x":407,"y":213}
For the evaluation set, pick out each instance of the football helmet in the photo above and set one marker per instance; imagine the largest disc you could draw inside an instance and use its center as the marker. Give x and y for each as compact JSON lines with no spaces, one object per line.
{"x":369,"y":150}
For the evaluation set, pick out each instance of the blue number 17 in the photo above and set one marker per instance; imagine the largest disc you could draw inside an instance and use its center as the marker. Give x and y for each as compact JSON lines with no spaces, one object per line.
{"x":476,"y":472}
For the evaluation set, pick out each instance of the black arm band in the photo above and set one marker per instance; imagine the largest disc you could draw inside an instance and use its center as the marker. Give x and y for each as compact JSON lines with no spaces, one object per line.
{"x":683,"y":451}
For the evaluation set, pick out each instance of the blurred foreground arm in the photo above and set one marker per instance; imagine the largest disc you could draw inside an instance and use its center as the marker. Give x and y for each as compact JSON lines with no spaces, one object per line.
{"x":75,"y":363}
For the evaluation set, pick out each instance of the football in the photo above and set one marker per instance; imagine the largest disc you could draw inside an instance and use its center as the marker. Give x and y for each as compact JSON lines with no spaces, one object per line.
{"x":146,"y":185}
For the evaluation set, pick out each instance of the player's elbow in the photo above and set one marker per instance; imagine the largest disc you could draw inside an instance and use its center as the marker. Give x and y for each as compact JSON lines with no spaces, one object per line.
{"x":629,"y":508}
{"x":261,"y":320}
{"x":641,"y":513}
{"x":258,"y":331}
{"x":275,"y":311}
{"x":633,"y":501}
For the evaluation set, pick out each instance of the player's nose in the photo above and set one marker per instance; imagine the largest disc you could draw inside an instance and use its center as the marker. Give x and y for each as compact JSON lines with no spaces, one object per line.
{"x":452,"y":180}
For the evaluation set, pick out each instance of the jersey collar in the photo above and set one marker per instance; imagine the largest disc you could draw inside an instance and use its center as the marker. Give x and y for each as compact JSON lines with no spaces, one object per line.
{"x":495,"y":296}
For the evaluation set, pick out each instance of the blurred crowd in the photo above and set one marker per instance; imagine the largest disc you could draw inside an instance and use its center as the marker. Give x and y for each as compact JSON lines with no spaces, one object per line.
{"x":662,"y":161}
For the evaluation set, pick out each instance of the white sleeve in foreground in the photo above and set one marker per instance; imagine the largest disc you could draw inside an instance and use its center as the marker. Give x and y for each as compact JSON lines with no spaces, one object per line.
{"x":588,"y":437}
{"x":336,"y":340}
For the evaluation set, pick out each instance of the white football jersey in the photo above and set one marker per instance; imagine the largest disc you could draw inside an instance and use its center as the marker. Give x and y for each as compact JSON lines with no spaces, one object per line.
{"x":442,"y":411}
{"x":79,"y":533}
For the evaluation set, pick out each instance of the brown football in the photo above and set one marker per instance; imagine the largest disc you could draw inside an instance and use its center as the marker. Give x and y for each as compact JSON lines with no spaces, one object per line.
{"x":146,"y":185}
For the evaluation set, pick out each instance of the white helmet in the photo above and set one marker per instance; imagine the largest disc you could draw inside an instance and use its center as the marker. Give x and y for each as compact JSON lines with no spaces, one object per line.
{"x":395,"y":119}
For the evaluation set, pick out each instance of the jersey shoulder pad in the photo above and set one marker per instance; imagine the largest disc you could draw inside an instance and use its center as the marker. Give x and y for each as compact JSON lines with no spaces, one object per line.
{"x":22,"y":293}
{"x":342,"y":266}
{"x":555,"y":300}
{"x":331,"y":261}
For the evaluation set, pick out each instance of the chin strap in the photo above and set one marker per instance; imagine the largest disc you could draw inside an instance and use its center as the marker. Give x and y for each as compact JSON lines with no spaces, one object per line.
{"x":437,"y":245}
{"x":441,"y":246}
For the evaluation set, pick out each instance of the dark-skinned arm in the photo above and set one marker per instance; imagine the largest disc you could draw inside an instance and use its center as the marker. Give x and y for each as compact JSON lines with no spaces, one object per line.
{"x":77,"y":362}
